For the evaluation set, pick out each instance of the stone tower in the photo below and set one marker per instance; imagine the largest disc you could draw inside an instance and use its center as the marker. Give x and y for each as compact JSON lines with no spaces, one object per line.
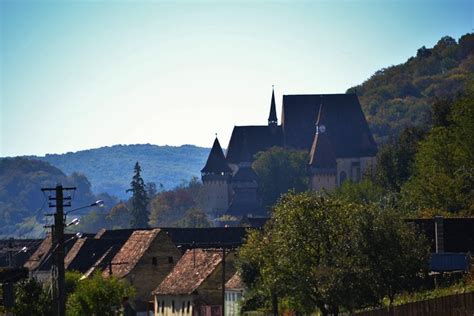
{"x":322,"y":159}
{"x":216,"y":176}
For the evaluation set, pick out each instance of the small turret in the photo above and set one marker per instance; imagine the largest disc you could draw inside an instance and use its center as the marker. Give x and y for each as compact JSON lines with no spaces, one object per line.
{"x":216,"y":176}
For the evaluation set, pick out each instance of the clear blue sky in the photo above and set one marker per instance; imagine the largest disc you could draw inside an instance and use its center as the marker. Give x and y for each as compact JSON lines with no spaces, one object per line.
{"x":84,"y":74}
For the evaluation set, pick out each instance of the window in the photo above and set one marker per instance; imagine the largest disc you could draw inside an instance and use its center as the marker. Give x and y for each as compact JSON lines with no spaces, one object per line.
{"x":170,"y":260}
{"x":154,"y":261}
{"x":342,"y":177}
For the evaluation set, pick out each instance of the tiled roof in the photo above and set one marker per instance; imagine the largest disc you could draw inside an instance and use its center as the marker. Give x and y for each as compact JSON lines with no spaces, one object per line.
{"x":206,"y":237}
{"x":85,"y":252}
{"x":20,"y":257}
{"x":216,"y":161}
{"x":235,"y":282}
{"x":41,"y":258}
{"x":132,"y":251}
{"x":190,"y":272}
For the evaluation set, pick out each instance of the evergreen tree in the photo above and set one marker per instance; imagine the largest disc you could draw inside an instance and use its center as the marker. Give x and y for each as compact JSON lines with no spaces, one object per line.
{"x":139,"y":200}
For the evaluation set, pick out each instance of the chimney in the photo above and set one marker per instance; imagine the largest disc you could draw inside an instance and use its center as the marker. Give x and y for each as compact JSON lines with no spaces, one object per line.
{"x":439,"y":233}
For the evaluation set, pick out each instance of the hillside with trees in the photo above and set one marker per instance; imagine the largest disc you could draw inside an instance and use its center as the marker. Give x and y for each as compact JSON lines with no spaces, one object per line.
{"x":164,"y":165}
{"x":23,"y":205}
{"x":401,"y":96}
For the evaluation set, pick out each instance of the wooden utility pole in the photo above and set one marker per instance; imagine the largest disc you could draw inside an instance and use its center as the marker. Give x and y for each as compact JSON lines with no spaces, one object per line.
{"x":57,"y":268}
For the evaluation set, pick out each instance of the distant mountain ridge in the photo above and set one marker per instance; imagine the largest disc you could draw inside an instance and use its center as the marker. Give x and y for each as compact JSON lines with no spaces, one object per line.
{"x":110,"y":169}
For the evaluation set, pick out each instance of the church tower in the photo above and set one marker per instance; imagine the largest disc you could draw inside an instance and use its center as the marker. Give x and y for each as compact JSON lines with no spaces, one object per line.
{"x":322,"y":159}
{"x":216,"y":176}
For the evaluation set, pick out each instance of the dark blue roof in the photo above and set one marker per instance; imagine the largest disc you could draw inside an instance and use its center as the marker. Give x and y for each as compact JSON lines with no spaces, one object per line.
{"x":448,"y":261}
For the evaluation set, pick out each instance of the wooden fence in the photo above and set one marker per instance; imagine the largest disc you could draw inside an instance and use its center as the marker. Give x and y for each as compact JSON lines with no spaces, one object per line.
{"x":453,"y":305}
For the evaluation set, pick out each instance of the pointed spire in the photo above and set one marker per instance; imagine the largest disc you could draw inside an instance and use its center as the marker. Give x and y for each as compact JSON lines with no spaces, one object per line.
{"x":272,"y":118}
{"x":216,"y":162}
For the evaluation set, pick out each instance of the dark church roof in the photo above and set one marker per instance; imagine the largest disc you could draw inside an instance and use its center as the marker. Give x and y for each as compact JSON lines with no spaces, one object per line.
{"x":216,"y":161}
{"x":257,"y":138}
{"x":347,"y":129}
{"x":245,"y":174}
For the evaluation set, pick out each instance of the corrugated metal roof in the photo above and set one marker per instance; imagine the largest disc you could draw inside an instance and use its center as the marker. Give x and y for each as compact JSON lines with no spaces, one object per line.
{"x":446,"y":262}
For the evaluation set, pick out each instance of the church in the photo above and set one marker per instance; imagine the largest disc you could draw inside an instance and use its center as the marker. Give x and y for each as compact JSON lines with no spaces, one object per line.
{"x":331,"y":127}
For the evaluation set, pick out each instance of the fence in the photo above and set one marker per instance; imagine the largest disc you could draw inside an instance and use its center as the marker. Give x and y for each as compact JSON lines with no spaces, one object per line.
{"x":453,"y":305}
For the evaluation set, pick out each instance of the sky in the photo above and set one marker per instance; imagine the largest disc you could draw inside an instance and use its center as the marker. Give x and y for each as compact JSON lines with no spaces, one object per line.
{"x":76,"y":75}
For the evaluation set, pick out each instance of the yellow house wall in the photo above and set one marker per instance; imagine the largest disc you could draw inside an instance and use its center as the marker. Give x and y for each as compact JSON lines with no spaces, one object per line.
{"x":145,"y":277}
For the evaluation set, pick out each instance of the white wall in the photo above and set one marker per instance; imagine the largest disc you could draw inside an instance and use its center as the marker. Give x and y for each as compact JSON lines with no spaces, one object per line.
{"x":164,"y":305}
{"x":233,"y":299}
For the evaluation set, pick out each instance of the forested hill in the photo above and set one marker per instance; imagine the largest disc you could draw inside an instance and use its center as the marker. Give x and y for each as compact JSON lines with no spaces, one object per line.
{"x":400,"y":96}
{"x":23,"y":205}
{"x":110,"y":169}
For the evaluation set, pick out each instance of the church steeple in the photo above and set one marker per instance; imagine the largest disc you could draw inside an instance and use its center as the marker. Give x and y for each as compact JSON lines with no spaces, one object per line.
{"x":272,"y":118}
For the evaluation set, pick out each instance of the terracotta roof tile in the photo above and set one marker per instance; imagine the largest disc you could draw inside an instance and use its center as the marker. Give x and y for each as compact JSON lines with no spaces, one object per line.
{"x":190,"y":272}
{"x":132,"y":251}
{"x":235,"y":282}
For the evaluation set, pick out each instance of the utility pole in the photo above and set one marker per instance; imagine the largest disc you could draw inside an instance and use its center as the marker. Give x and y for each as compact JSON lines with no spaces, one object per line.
{"x":223,"y":280}
{"x":57,"y":268}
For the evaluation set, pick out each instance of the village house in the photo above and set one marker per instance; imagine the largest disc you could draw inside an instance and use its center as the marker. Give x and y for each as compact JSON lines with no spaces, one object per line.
{"x":195,"y":284}
{"x":39,"y":263}
{"x":145,"y":259}
{"x":234,"y":291}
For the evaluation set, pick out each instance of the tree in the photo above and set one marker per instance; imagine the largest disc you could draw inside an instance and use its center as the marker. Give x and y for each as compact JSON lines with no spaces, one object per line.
{"x":32,"y":299}
{"x":395,"y":254}
{"x":443,"y":177}
{"x":98,"y":296}
{"x":280,"y":170}
{"x":119,"y":216}
{"x":168,"y":208}
{"x":312,"y":260}
{"x":196,"y":218}
{"x":139,"y":200}
{"x":326,"y":253}
{"x":395,"y":161}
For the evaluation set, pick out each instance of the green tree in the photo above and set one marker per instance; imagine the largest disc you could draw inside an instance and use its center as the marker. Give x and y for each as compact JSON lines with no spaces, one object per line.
{"x":311,"y":259}
{"x":119,"y":216}
{"x":139,"y":200}
{"x":395,"y":160}
{"x":98,"y":296}
{"x":321,"y":252}
{"x":444,"y":164}
{"x":280,"y":170}
{"x":395,"y":255}
{"x":194,"y":217}
{"x":32,"y":299}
